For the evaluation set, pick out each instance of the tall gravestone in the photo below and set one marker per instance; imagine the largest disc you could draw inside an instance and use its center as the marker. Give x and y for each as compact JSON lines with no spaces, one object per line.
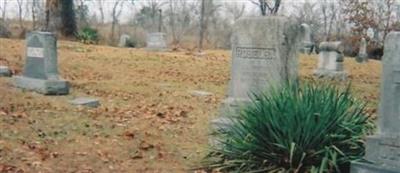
{"x":331,"y":60}
{"x":383,"y":149}
{"x":362,"y":54}
{"x":264,"y":54}
{"x":41,"y":69}
{"x":307,"y":42}
{"x":156,"y":41}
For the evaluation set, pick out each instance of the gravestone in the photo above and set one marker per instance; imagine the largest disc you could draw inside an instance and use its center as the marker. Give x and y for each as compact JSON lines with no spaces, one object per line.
{"x":84,"y":101}
{"x":156,"y":41}
{"x":383,"y":149}
{"x":264,"y":55}
{"x":123,"y":40}
{"x":362,"y":56}
{"x":331,"y":59}
{"x":5,"y":71}
{"x":307,"y":43}
{"x":41,"y":70}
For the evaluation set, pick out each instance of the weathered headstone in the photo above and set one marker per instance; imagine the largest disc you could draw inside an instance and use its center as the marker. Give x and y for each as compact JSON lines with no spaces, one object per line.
{"x":362,"y":54}
{"x":123,"y":40}
{"x":307,"y":42}
{"x":331,"y":61}
{"x":5,"y":71}
{"x":84,"y":101}
{"x":156,"y":41}
{"x":41,"y":69}
{"x":383,"y":149}
{"x":264,"y":54}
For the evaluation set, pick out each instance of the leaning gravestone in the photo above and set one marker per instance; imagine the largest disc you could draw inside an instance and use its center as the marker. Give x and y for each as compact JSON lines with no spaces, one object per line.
{"x":123,"y":41}
{"x":156,"y":41}
{"x":264,"y":54}
{"x":331,"y":61}
{"x":41,"y":69}
{"x":383,"y":149}
{"x":362,"y":54}
{"x":307,"y":43}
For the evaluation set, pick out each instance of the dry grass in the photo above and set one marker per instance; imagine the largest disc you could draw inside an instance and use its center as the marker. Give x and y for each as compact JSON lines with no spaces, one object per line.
{"x":148,"y":121}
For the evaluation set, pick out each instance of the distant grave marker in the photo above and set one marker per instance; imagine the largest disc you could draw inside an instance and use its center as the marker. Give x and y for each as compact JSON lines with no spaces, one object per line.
{"x":307,"y":42}
{"x":331,"y":61}
{"x":41,"y":68}
{"x":156,"y":41}
{"x":124,"y":40}
{"x":362,"y":56}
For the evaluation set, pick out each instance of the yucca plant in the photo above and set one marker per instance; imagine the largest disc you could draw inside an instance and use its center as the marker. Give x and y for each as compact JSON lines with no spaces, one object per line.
{"x":295,"y":129}
{"x":88,"y":35}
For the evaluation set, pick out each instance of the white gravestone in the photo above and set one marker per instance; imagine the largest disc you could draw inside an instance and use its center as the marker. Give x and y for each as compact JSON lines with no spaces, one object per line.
{"x":264,"y":55}
{"x":383,"y":149}
{"x":156,"y":41}
{"x":330,"y":61}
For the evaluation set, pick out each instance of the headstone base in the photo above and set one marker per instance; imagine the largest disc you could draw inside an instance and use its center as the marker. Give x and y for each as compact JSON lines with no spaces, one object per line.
{"x":371,"y":168}
{"x":5,"y":71}
{"x":336,"y":75}
{"x":46,"y":87}
{"x":362,"y":58}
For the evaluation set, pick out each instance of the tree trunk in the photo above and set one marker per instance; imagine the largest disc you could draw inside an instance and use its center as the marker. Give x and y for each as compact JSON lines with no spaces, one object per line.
{"x":4,"y":11}
{"x":202,"y":25}
{"x":53,"y":15}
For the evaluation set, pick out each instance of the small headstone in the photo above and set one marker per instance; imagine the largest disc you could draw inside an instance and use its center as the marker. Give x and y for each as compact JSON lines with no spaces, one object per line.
{"x":123,"y":41}
{"x":88,"y":102}
{"x":156,"y":41}
{"x":264,"y":55}
{"x":331,"y":61}
{"x":307,"y":42}
{"x":5,"y":71}
{"x":362,"y":56}
{"x":200,"y":93}
{"x":41,"y":69}
{"x":383,"y":149}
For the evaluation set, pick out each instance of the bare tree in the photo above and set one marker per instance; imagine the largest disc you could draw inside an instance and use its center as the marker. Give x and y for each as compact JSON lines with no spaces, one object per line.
{"x":100,"y":4}
{"x":20,"y":3}
{"x":235,"y":10}
{"x":202,"y":25}
{"x":35,"y":10}
{"x":267,"y":6}
{"x":179,"y":18}
{"x":3,"y":10}
{"x":116,"y":12}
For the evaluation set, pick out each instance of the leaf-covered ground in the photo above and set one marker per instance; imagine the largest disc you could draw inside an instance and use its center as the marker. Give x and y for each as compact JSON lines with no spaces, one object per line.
{"x":148,"y":120}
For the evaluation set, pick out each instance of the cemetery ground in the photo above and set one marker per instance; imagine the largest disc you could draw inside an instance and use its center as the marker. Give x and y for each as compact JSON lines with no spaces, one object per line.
{"x":148,"y":120}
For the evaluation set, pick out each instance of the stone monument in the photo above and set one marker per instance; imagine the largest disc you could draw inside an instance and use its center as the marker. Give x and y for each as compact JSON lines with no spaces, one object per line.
{"x":331,"y":61}
{"x":123,"y":40}
{"x":307,"y":43}
{"x":383,"y":149}
{"x":41,"y":69}
{"x":362,"y":56}
{"x":156,"y":41}
{"x":264,"y":54}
